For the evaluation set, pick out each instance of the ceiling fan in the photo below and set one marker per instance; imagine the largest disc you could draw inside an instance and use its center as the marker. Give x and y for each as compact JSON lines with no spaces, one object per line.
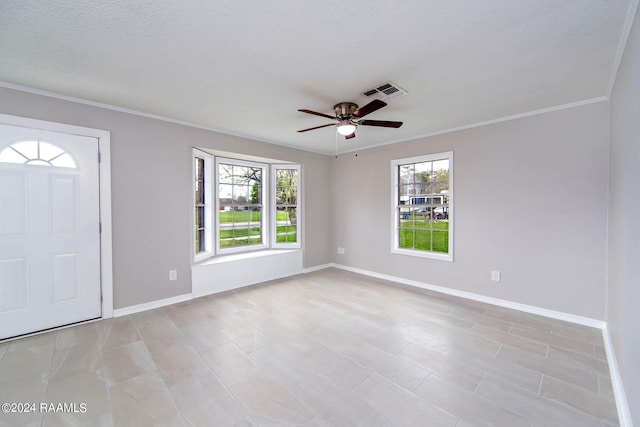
{"x":348,"y":116}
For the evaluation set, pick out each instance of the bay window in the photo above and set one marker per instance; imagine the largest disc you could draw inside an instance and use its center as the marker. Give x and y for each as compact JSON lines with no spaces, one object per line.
{"x":241,"y":205}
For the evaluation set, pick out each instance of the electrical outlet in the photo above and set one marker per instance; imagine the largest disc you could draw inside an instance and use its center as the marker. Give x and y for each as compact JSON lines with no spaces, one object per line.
{"x":495,"y":276}
{"x":340,"y":251}
{"x":173,"y":275}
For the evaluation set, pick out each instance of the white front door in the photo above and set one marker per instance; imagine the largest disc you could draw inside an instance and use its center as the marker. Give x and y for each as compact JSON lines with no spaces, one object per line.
{"x":49,"y":230}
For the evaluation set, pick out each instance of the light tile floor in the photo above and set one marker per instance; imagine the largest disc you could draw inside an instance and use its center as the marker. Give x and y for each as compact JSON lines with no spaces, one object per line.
{"x":329,"y":348}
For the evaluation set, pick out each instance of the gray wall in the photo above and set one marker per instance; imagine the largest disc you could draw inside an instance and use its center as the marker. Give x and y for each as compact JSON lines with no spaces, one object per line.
{"x":151,"y":181}
{"x":529,"y":197}
{"x":530,"y":201}
{"x":623,"y":314}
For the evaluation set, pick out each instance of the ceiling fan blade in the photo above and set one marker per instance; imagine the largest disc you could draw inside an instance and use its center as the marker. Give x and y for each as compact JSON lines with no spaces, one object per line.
{"x":381,"y":123}
{"x":317,"y":127}
{"x":351,"y":135}
{"x":318,"y":114}
{"x":374,"y":105}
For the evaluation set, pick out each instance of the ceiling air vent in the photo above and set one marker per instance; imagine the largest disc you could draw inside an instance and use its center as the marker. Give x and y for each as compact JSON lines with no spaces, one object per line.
{"x":385,"y":91}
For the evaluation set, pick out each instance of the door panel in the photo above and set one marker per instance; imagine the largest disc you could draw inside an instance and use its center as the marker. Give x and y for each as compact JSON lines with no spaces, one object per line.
{"x":63,"y":203}
{"x":65,"y":277}
{"x":49,"y":230}
{"x":13,"y":202}
{"x":14,"y":284}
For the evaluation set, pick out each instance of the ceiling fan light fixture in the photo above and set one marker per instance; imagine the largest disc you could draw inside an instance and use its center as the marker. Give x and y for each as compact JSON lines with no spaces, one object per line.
{"x":346,"y":128}
{"x":348,"y":117}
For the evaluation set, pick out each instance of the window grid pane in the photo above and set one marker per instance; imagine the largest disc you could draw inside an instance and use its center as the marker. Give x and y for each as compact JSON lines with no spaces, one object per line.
{"x":37,"y":153}
{"x":240,"y":201}
{"x":199,"y":199}
{"x":286,"y":205}
{"x":423,"y":206}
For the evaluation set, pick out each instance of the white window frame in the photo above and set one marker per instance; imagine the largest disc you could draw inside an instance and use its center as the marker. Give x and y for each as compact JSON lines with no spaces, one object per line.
{"x":212,"y":200}
{"x":299,"y":221}
{"x":264,"y":223}
{"x":14,"y":153}
{"x":395,"y":220}
{"x":208,"y":195}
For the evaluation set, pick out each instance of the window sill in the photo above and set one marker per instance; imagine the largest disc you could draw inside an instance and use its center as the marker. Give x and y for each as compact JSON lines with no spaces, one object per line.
{"x":424,"y":254}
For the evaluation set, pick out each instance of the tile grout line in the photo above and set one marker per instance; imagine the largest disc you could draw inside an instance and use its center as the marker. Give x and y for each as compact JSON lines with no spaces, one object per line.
{"x":546,"y":353}
{"x":101,"y":341}
{"x":540,"y":385}
{"x":108,"y":389}
{"x":46,"y":392}
{"x":484,"y":375}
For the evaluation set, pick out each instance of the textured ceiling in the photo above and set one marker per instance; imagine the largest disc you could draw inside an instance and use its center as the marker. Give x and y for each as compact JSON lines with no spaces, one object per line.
{"x":245,"y":67}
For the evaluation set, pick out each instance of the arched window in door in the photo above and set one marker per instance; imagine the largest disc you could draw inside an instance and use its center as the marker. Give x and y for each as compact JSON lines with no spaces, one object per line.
{"x":37,"y":153}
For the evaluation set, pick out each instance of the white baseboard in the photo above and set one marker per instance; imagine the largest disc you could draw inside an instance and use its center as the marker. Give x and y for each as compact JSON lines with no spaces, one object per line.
{"x":151,"y":305}
{"x":624,"y":414}
{"x":316,"y":268}
{"x":586,"y":321}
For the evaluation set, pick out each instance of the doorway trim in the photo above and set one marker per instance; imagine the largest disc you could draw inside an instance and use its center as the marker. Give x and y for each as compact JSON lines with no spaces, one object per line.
{"x":104,"y":166}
